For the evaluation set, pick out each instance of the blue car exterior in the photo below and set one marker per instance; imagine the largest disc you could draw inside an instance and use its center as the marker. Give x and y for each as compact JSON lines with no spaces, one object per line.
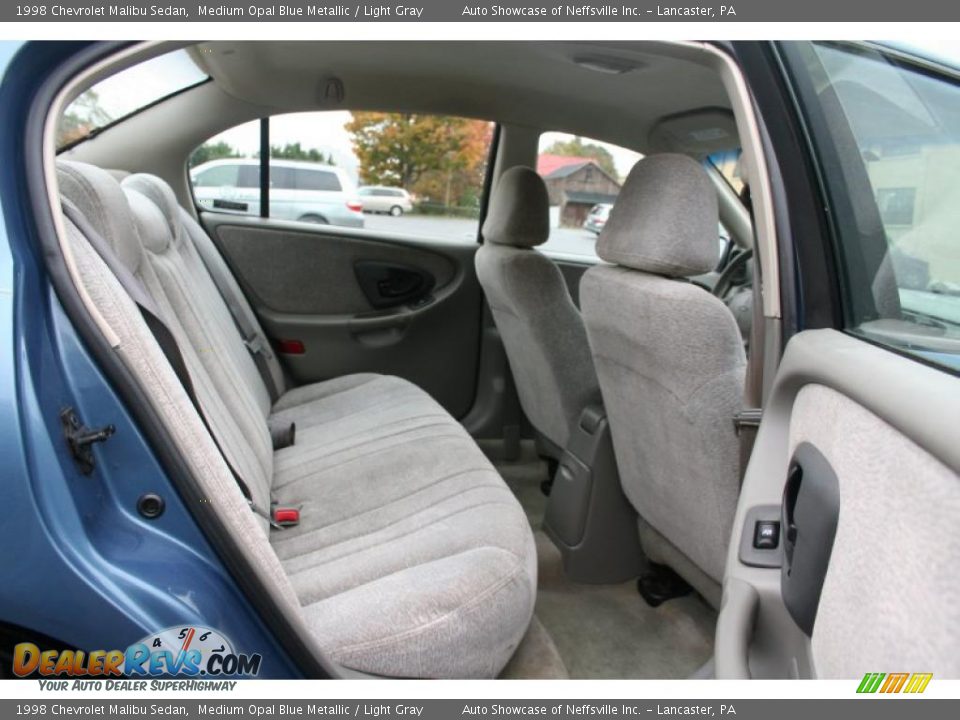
{"x":80,"y":565}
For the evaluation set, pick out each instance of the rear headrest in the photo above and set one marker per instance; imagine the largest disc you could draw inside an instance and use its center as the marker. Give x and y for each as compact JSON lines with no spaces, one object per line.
{"x":161,"y":195}
{"x":664,"y":220}
{"x":99,"y":198}
{"x":519,"y":214}
{"x":152,"y":225}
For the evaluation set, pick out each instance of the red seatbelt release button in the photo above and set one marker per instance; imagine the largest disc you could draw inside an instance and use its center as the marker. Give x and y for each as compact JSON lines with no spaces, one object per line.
{"x":286,"y":517}
{"x":291,"y":347}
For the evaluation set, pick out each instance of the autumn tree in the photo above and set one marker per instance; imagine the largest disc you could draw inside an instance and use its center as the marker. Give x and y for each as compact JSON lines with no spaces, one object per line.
{"x":441,"y":159}
{"x":578,"y":148}
{"x":84,"y":115}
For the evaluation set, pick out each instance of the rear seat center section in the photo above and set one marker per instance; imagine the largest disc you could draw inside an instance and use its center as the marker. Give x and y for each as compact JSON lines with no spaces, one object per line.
{"x":411,"y":557}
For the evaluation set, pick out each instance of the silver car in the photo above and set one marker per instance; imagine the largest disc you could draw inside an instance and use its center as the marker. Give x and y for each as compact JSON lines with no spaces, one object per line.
{"x":380,"y":199}
{"x":305,"y":191}
{"x":597,"y":218}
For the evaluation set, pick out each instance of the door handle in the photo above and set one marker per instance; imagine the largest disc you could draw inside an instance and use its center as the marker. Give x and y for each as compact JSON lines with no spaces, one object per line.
{"x":387,"y":285}
{"x":809,"y":516}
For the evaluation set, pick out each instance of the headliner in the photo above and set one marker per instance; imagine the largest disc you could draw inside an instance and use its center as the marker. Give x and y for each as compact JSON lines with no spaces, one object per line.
{"x":544,"y":85}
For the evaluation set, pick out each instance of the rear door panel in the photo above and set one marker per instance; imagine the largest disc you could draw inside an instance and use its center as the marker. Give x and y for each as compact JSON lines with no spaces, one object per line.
{"x":303,"y":283}
{"x":887,"y":427}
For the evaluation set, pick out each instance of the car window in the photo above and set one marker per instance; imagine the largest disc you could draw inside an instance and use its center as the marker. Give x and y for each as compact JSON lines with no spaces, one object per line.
{"x":889,"y":145}
{"x":126,"y":93}
{"x":221,"y":175}
{"x":423,"y":174}
{"x":317,"y":180}
{"x":583,"y":179}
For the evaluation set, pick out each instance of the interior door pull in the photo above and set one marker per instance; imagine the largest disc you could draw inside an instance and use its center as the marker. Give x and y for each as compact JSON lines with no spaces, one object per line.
{"x":809,"y":516}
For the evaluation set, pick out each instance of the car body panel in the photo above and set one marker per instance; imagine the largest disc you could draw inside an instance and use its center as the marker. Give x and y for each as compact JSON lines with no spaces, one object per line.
{"x":126,"y":576}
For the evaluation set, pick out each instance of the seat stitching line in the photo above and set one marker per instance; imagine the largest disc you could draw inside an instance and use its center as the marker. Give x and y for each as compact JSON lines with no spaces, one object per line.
{"x":398,"y":537}
{"x":442,"y":480}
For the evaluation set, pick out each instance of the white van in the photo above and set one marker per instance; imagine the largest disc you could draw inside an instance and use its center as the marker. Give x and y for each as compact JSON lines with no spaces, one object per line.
{"x":305,"y":191}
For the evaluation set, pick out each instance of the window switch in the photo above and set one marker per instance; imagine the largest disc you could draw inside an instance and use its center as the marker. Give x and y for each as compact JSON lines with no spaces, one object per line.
{"x":766,"y":535}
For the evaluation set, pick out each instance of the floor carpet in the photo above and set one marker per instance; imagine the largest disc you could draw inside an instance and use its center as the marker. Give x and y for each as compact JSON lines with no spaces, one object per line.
{"x":599,"y":631}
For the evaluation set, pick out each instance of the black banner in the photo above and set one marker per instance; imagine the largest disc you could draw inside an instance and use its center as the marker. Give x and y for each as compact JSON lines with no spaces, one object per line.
{"x":483,"y":11}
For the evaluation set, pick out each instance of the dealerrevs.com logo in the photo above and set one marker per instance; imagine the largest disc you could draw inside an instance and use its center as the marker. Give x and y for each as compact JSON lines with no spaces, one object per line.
{"x":890,"y":683}
{"x":190,"y":651}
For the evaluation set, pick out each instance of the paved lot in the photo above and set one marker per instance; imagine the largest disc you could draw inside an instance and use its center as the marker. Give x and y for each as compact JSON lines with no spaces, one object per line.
{"x":562,"y":240}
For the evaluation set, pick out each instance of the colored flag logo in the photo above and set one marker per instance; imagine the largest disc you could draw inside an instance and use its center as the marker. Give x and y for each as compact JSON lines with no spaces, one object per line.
{"x":894,"y":683}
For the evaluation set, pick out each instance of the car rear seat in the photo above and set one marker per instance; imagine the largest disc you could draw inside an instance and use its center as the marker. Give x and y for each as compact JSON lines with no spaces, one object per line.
{"x":412,"y":557}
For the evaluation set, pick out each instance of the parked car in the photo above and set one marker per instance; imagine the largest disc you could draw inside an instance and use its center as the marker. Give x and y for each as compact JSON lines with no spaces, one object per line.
{"x":597,"y":218}
{"x":391,"y":200}
{"x":305,"y":191}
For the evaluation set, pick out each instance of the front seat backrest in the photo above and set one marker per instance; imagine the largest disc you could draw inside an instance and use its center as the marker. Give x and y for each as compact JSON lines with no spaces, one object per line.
{"x":542,"y":329}
{"x":671,"y":365}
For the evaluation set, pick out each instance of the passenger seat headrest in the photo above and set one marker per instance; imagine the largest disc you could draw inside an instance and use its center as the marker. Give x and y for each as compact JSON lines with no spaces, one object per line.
{"x":161,"y":195}
{"x":519,"y":214}
{"x":665,"y":219}
{"x":100,"y":199}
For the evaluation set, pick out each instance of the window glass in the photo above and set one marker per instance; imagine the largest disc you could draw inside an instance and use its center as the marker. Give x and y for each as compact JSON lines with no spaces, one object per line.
{"x":317,"y":180}
{"x":217,"y":176}
{"x":249,"y":177}
{"x":727,"y":163}
{"x":583,"y":179}
{"x":890,"y":148}
{"x":422,"y":175}
{"x":126,"y":93}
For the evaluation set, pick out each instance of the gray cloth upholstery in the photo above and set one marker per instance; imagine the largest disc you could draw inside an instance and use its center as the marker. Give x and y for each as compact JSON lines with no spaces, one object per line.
{"x":671,"y":366}
{"x":876,"y":609}
{"x":542,"y":330}
{"x":519,"y":214}
{"x":412,"y":558}
{"x":664,"y":220}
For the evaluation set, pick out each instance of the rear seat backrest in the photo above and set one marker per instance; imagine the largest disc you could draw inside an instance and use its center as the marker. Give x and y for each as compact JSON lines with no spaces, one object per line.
{"x":190,"y":279}
{"x":230,"y":291}
{"x":207,"y":325}
{"x":98,"y":197}
{"x":101,"y":200}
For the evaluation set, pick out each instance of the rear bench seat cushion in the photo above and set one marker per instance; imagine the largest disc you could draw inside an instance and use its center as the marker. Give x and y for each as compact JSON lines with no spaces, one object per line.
{"x":412,"y":558}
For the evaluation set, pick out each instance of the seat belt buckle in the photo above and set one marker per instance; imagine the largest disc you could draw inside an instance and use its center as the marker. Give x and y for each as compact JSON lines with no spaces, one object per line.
{"x":284,"y":517}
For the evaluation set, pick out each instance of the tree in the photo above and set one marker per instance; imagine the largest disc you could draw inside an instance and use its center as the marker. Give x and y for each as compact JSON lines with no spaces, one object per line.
{"x":83,"y":116}
{"x":439,"y":158}
{"x":213,"y":151}
{"x":293,"y":151}
{"x":578,"y":148}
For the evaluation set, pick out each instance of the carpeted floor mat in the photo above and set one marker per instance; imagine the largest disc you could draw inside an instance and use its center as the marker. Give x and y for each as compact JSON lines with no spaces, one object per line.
{"x":600,"y":631}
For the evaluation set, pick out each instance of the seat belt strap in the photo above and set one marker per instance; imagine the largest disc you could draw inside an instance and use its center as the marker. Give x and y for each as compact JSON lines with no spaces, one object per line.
{"x":747,"y":421}
{"x":256,"y":343}
{"x":161,"y":333}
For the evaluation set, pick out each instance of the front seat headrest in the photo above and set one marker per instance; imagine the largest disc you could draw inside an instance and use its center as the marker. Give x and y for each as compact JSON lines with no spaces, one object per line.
{"x":665,"y":219}
{"x":519,"y":214}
